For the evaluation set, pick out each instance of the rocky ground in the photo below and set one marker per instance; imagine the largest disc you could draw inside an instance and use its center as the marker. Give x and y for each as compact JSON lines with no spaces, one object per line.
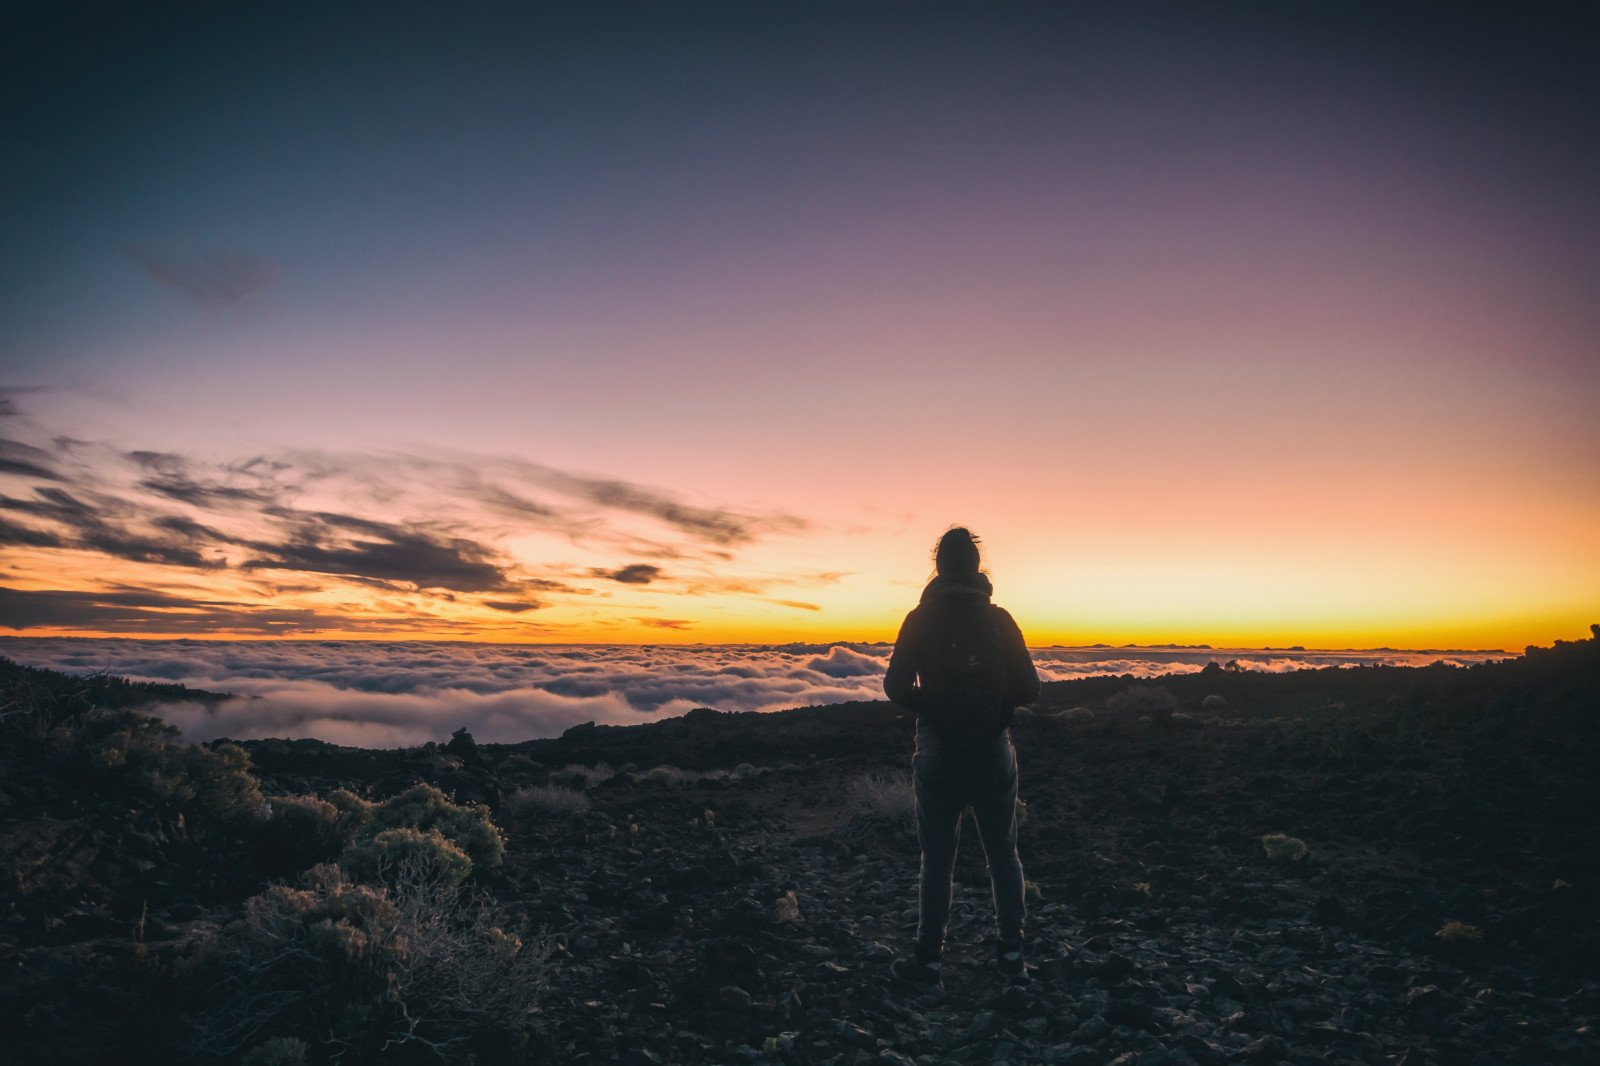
{"x":745,"y":908}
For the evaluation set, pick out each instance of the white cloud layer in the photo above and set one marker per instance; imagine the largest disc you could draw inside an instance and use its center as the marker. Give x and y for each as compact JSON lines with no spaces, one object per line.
{"x":397,"y":693}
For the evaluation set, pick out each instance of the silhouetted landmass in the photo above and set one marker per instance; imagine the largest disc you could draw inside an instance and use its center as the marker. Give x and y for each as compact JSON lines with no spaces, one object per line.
{"x":51,"y":692}
{"x":1372,"y":864}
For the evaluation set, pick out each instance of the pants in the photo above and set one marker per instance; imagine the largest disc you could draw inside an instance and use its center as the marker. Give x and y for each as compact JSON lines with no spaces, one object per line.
{"x":947,"y":782}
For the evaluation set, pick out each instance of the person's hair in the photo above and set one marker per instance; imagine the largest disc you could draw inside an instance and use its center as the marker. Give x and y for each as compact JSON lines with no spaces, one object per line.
{"x":957,"y":552}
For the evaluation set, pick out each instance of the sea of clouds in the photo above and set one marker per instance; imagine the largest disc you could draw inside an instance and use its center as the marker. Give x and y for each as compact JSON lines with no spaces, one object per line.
{"x":398,"y":693}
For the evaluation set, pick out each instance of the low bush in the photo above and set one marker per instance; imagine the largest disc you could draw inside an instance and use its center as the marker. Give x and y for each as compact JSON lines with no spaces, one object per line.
{"x":424,"y":807}
{"x":383,"y":857}
{"x":300,"y":831}
{"x":362,"y":969}
{"x":354,"y":812}
{"x":208,"y":785}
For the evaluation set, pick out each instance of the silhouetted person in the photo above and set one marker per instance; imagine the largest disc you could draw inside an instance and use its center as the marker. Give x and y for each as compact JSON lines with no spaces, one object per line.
{"x":961,"y":666}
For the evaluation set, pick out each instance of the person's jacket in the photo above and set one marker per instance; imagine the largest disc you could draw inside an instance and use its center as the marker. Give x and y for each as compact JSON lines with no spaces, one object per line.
{"x":912,"y":651}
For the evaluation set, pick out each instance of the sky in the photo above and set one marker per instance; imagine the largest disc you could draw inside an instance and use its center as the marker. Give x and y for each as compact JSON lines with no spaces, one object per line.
{"x":692,"y":322}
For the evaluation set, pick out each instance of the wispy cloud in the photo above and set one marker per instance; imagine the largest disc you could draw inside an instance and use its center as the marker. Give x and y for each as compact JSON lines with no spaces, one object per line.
{"x":799,"y":605}
{"x":215,"y":278}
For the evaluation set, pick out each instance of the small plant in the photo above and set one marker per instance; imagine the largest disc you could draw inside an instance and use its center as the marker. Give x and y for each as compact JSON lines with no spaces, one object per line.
{"x":1144,"y":888}
{"x":1031,"y":892}
{"x":769,"y":1046}
{"x":1459,"y":934}
{"x":709,"y":819}
{"x":551,"y":799}
{"x":1280,"y":847}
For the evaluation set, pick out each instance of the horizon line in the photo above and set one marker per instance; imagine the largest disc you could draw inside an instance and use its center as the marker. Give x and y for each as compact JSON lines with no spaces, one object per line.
{"x":1098,"y":646}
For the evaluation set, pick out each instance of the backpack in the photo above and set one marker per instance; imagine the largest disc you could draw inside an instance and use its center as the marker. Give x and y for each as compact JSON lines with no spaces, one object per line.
{"x":963,"y":671}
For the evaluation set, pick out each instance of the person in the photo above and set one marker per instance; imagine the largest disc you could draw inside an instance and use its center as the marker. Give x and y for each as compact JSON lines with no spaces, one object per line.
{"x":961,"y":666}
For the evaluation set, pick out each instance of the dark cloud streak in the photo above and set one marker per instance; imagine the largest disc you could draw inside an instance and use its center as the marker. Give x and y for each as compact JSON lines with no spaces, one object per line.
{"x":383,"y":551}
{"x":151,"y":612}
{"x":633,"y":574}
{"x":25,"y":460}
{"x":217,"y":278}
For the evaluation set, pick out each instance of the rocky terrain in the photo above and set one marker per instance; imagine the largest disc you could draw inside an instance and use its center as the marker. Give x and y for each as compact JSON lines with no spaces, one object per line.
{"x":731,"y":887}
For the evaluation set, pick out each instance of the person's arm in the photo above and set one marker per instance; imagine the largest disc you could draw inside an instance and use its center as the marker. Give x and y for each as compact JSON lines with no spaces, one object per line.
{"x":1021,"y":675}
{"x":900,"y":682}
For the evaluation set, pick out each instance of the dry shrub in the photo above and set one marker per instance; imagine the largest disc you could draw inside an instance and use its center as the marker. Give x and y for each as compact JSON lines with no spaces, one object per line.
{"x":361,"y":969}
{"x":546,"y":799}
{"x":878,"y":801}
{"x":580,"y":776}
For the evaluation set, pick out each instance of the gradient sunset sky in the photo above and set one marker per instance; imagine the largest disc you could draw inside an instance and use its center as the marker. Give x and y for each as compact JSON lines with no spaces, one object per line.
{"x":1238,"y":324}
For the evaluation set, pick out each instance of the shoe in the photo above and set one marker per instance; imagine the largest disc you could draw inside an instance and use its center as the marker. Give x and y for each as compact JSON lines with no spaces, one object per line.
{"x":922,"y":969}
{"x":1009,"y":959}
